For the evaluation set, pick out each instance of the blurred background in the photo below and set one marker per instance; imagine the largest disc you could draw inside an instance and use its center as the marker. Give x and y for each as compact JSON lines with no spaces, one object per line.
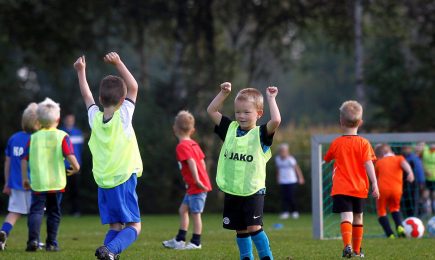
{"x":318,"y":52}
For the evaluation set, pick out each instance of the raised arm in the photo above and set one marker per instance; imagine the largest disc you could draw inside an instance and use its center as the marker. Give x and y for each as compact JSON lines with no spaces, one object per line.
{"x":80,"y":66}
{"x":216,"y":104}
{"x":275,"y":116}
{"x":6,"y":188}
{"x":130,"y":81}
{"x":370,"y":169}
{"x":407,"y":168}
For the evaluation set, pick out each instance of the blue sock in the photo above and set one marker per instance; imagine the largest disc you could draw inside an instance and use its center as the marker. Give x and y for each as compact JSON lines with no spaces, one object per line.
{"x":123,"y":240}
{"x":262,"y":244}
{"x":111,"y":234}
{"x":7,"y":227}
{"x":244,"y":243}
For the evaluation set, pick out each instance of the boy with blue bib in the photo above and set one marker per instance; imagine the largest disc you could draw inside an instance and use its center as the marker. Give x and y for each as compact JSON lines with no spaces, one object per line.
{"x":19,"y":198}
{"x":241,"y":171}
{"x":115,"y":155}
{"x":45,"y":154}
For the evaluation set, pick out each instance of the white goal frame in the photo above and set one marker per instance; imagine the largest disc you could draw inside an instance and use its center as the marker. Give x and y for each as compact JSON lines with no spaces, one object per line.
{"x":317,"y":141}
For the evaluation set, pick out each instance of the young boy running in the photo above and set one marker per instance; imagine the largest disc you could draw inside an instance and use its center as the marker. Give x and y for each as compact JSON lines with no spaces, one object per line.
{"x":389,"y":172}
{"x":45,"y":154}
{"x":19,"y":198}
{"x":241,"y":172}
{"x":354,"y":158}
{"x":191,"y":160}
{"x":115,"y":155}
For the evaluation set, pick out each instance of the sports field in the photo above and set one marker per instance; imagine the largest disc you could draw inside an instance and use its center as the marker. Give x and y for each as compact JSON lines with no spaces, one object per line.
{"x":79,"y":237}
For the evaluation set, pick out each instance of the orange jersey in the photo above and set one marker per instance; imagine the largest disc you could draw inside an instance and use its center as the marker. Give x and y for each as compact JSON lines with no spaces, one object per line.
{"x":349,"y":176}
{"x":389,"y":173}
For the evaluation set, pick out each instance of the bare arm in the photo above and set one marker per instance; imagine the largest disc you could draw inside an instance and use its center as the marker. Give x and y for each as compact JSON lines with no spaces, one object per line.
{"x":26,"y":183}
{"x":130,"y":81}
{"x":80,"y":66}
{"x":74,"y":164}
{"x":216,"y":104}
{"x":192,"y":166}
{"x":6,"y":189}
{"x":407,"y":168}
{"x":301,"y":179}
{"x":275,"y":116}
{"x":370,"y":169}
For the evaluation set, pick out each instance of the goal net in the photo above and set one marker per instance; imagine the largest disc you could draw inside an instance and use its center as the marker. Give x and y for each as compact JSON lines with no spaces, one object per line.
{"x":325,"y":223}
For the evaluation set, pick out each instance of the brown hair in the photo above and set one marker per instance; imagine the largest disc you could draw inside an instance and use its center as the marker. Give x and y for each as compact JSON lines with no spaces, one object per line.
{"x":184,"y":121}
{"x":351,"y":113}
{"x":381,"y":150}
{"x":29,"y":120}
{"x":112,"y":90}
{"x":251,"y":95}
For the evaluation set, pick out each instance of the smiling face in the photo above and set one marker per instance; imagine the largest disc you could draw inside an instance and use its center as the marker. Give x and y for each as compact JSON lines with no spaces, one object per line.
{"x":246,"y":114}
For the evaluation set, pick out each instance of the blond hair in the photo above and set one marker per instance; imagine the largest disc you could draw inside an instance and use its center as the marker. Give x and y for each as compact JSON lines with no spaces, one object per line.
{"x":251,"y":95}
{"x":29,"y":119}
{"x":351,"y":113}
{"x":184,"y":121}
{"x":48,"y":112}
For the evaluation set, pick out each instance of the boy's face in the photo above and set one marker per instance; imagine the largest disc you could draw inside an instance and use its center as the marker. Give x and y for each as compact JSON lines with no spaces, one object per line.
{"x":283,"y":152}
{"x":246,"y":114}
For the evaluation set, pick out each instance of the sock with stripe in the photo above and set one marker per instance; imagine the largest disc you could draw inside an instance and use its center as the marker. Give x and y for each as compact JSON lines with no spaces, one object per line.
{"x":111,"y":234}
{"x":7,"y":227}
{"x":385,"y":225}
{"x":346,"y":232}
{"x":244,"y":243}
{"x":261,"y":242}
{"x":357,"y":236}
{"x":124,"y":239}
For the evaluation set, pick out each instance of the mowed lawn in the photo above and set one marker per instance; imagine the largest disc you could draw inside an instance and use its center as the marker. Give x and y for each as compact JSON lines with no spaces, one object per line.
{"x":79,"y":237}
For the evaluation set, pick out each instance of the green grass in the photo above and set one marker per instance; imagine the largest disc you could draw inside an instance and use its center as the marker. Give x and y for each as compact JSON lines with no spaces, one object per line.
{"x":79,"y":237}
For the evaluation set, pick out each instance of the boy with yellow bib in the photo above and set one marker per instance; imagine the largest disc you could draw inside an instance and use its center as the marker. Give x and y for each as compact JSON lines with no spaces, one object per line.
{"x":241,"y":171}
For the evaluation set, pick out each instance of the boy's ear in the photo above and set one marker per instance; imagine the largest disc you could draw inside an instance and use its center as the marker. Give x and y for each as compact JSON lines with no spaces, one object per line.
{"x":360,"y":123}
{"x":192,"y":131}
{"x":260,"y":113}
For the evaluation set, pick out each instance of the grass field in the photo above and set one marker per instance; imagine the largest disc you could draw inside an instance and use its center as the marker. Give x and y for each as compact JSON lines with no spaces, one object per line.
{"x":79,"y":237}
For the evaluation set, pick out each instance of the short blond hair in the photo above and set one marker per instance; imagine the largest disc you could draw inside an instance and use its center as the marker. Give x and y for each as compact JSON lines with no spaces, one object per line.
{"x":251,"y":95}
{"x":184,"y":121}
{"x":351,"y":113}
{"x":29,"y":119}
{"x":48,"y":112}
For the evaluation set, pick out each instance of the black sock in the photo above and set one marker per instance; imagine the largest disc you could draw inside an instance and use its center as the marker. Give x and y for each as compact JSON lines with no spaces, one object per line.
{"x":196,"y":239}
{"x":397,"y":218}
{"x":385,"y":225}
{"x":181,"y":236}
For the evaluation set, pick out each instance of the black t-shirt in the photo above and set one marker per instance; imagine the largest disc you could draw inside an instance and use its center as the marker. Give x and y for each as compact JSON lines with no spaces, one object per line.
{"x":221,"y":130}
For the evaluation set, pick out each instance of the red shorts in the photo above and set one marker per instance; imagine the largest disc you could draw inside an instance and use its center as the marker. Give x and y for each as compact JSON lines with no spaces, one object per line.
{"x":390,"y":199}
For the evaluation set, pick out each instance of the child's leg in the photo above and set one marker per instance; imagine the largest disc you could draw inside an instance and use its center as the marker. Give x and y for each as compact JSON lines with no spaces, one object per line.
{"x":357,"y":232}
{"x":197,"y":229}
{"x":35,"y":216}
{"x":53,"y":217}
{"x":381,"y":208}
{"x":10,"y":221}
{"x":196,"y":206}
{"x":285,"y":197}
{"x":261,"y":242}
{"x":244,"y":243}
{"x":184,"y":222}
{"x":292,"y":194}
{"x":124,"y":238}
{"x":346,"y":227}
{"x":115,"y":228}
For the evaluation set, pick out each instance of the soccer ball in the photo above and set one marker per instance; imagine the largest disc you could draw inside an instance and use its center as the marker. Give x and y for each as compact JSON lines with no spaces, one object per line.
{"x":431,"y":226}
{"x":414,"y":228}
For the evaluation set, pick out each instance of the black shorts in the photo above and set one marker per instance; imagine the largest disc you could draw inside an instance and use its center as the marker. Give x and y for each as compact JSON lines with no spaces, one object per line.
{"x":241,"y":212}
{"x":344,"y":203}
{"x":430,"y":185}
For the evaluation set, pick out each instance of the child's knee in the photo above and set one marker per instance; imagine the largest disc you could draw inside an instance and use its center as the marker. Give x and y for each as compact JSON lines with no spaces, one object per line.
{"x":136,"y":225}
{"x":357,"y":218}
{"x":255,"y":228}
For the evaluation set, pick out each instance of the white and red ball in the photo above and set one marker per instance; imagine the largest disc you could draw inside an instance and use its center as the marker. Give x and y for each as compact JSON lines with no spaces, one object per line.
{"x":414,"y":227}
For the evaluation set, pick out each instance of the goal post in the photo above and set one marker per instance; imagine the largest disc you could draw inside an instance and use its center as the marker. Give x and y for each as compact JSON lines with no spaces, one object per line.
{"x":319,"y":143}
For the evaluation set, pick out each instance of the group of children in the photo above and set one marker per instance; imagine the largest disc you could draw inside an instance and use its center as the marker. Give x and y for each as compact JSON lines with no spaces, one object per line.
{"x":241,"y":170}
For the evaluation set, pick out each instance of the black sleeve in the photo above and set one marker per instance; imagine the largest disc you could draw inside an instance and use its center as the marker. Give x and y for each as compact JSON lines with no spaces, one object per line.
{"x":222,"y":129}
{"x":266,"y":138}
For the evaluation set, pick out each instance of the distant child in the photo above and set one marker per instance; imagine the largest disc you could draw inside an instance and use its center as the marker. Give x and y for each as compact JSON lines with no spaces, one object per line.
{"x":389,"y":172}
{"x":45,"y":154}
{"x":428,"y":158}
{"x":289,"y":176}
{"x":241,"y":171}
{"x":354,"y":158}
{"x":19,"y":198}
{"x":115,"y":155}
{"x":193,"y":169}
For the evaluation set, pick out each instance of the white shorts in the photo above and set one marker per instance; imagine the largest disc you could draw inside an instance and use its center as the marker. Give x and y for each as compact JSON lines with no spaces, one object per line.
{"x":19,"y":201}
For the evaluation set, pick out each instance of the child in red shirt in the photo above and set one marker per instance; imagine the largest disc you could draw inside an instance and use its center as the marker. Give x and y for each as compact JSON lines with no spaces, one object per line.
{"x":191,"y":160}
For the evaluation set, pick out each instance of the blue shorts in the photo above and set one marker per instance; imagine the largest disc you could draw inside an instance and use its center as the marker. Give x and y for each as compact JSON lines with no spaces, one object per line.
{"x":195,"y":202}
{"x":119,"y":204}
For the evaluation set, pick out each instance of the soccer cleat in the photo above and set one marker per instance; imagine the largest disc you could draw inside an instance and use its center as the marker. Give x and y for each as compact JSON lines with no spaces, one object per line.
{"x":174,"y":244}
{"x":191,"y":246}
{"x":32,"y":246}
{"x":103,"y":253}
{"x":392,"y":236}
{"x":360,"y":254}
{"x":295,"y":215}
{"x":3,"y":238}
{"x":51,"y":248}
{"x":347,"y":251}
{"x":400,"y":231}
{"x":284,"y":215}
